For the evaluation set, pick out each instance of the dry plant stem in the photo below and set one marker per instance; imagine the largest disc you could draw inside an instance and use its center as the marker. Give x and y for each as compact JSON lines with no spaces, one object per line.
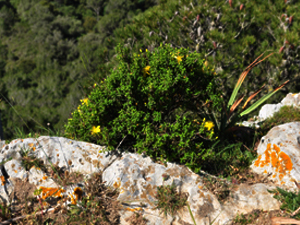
{"x":283,"y":220}
{"x":226,"y":181}
{"x":10,"y":221}
{"x":295,"y":212}
{"x":40,"y":201}
{"x":115,"y":158}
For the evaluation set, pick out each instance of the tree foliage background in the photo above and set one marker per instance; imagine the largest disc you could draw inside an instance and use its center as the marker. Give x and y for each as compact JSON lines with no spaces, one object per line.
{"x":44,"y":44}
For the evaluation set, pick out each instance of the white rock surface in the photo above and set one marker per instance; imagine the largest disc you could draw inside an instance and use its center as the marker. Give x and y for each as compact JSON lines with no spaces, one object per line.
{"x":268,"y":110}
{"x":136,"y":176}
{"x":279,"y":155}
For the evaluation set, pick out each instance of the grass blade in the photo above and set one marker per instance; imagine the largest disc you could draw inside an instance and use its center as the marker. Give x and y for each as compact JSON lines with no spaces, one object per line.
{"x":260,"y":101}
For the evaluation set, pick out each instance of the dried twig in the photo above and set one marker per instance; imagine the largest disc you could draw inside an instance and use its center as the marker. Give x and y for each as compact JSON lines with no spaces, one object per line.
{"x":10,"y":221}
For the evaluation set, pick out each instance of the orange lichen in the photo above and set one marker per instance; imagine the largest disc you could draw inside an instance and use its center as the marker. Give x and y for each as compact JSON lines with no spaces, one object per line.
{"x":265,"y":171}
{"x":280,"y":169}
{"x":54,"y":192}
{"x":281,"y":176}
{"x":135,"y":209}
{"x":117,"y":184}
{"x":30,"y":145}
{"x":257,"y":162}
{"x":2,"y":178}
{"x":279,"y":160}
{"x":287,"y":161}
{"x":276,"y":148}
{"x":267,"y":158}
{"x":274,"y":159}
{"x":45,"y":177}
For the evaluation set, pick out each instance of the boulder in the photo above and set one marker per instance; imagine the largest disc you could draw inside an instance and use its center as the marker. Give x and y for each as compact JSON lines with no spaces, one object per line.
{"x":279,"y":155}
{"x":137,"y":178}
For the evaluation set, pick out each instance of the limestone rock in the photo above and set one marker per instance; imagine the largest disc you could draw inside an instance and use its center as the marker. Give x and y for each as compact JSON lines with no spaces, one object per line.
{"x":136,"y":176}
{"x":268,"y":110}
{"x":279,"y":155}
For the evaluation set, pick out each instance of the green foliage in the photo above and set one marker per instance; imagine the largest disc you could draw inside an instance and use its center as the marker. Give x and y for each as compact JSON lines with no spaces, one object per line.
{"x":227,"y":37}
{"x":227,"y":156}
{"x":152,"y":103}
{"x":290,"y":200}
{"x":168,"y":200}
{"x":230,"y":115}
{"x":42,"y":42}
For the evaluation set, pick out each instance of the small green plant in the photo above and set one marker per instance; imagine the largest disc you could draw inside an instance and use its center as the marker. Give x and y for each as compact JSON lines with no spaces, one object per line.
{"x":5,"y":211}
{"x":154,"y":103}
{"x":169,"y":201}
{"x":243,"y":220}
{"x":290,"y":200}
{"x":230,"y":115}
{"x":29,"y":159}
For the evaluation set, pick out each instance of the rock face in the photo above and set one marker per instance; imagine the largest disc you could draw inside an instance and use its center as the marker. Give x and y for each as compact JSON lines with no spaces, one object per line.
{"x":279,"y":155}
{"x":137,"y":178}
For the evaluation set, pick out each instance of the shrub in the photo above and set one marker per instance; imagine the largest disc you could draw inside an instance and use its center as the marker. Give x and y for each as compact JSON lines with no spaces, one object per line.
{"x":153,"y":103}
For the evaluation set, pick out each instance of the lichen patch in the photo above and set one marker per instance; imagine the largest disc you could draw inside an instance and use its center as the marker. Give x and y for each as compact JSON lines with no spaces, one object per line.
{"x":276,"y":160}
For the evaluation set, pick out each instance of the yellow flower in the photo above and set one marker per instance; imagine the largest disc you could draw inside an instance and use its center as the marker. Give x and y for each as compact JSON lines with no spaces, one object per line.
{"x":209,"y":125}
{"x":95,"y":130}
{"x":206,"y":63}
{"x":146,"y":70}
{"x":84,"y":101}
{"x":179,"y":58}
